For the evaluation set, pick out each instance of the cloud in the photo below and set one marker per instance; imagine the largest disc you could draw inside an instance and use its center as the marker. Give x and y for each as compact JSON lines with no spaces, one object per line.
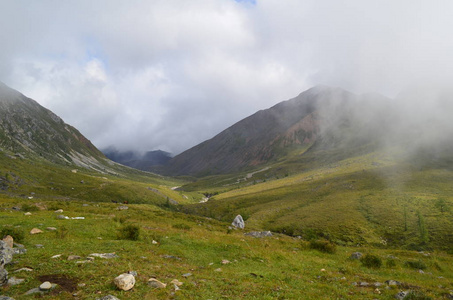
{"x":164,"y":74}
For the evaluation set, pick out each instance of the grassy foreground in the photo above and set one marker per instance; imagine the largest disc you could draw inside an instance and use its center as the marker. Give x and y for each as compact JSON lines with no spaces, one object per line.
{"x":191,"y":249}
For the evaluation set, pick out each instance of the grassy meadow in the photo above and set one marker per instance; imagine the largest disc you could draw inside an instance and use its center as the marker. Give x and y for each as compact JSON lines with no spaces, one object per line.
{"x":399,"y":215}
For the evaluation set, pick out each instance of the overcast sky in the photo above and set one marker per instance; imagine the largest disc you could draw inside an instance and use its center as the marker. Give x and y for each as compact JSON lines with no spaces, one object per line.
{"x":169,"y":74}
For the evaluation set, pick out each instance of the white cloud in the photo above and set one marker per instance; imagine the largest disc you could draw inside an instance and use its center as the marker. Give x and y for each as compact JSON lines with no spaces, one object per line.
{"x":169,"y":74}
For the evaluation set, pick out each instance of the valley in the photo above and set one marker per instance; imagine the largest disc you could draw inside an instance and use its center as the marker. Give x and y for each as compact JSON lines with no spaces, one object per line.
{"x":325,"y":186}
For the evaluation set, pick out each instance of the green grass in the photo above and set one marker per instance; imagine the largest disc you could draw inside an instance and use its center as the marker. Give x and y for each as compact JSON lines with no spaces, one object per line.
{"x":370,"y":200}
{"x":278,"y":267}
{"x":370,"y":203}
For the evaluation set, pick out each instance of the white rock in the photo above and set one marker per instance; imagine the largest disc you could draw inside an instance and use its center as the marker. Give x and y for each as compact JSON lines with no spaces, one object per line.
{"x":238,"y":222}
{"x":59,"y":211}
{"x":124,"y":281}
{"x":45,"y":286}
{"x":27,"y":214}
{"x":36,"y":231}
{"x":153,"y":282}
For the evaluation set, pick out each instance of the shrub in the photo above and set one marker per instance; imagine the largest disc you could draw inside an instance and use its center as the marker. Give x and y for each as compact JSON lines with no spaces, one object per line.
{"x":28,"y":207}
{"x":390,"y":263}
{"x":323,"y":246}
{"x":18,"y":234}
{"x":371,"y":261}
{"x":129,"y":232}
{"x":181,"y":226}
{"x":418,"y":264}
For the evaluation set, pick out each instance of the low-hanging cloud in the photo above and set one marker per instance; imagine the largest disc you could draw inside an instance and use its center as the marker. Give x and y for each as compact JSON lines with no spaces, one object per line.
{"x":168,"y":75}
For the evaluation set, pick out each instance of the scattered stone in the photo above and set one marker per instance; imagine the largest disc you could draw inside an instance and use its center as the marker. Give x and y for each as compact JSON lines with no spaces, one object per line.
{"x":51,"y":228}
{"x":9,"y":241}
{"x":56,"y":256}
{"x":5,"y":298}
{"x":378,"y":284}
{"x":356,"y":255}
{"x":39,"y":246}
{"x":24,"y":269}
{"x":45,"y":286}
{"x":85,"y":205}
{"x":363,"y":284}
{"x":153,"y":282}
{"x":186,"y":275}
{"x":393,"y":282}
{"x":377,"y":291}
{"x":323,"y":270}
{"x":61,"y":217}
{"x":34,"y":291}
{"x":15,"y":281}
{"x":421,"y":271}
{"x":238,"y":222}
{"x":83,"y":261}
{"x":108,"y":297}
{"x":124,"y":282}
{"x":59,"y":211}
{"x":78,"y":218}
{"x":105,"y":255}
{"x":225,"y":262}
{"x":154,"y":242}
{"x":74,"y":257}
{"x":401,"y":295}
{"x":171,"y":256}
{"x":19,"y":250}
{"x":177,"y":282}
{"x":123,"y":207}
{"x":218,"y":270}
{"x":27,"y":214}
{"x":259,"y":234}
{"x":36,"y":231}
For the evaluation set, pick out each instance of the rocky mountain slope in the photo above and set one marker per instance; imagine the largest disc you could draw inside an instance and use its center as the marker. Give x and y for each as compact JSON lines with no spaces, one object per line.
{"x":325,"y":124}
{"x":321,"y":118}
{"x":27,"y":128}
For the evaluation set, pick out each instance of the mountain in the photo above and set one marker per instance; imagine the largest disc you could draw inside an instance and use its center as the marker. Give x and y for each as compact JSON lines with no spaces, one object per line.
{"x":315,"y":119}
{"x":27,"y":128}
{"x":137,"y":160}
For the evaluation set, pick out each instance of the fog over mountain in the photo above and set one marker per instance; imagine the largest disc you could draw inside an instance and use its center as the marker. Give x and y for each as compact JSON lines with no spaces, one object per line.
{"x":147,"y":75}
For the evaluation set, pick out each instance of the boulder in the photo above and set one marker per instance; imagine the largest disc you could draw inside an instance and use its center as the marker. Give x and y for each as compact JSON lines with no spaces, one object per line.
{"x":5,"y":298}
{"x":9,"y":241}
{"x":124,"y":281}
{"x":6,"y":253}
{"x":45,"y":286}
{"x":238,"y":222}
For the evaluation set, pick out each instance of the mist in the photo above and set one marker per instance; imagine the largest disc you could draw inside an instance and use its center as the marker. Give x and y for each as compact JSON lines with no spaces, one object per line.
{"x":164,"y":75}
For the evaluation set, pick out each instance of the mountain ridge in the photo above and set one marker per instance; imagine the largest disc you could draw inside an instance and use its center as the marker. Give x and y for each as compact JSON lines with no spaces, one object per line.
{"x":27,"y":127}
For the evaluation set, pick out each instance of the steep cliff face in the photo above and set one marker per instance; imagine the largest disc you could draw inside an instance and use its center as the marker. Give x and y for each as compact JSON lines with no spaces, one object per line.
{"x":28,"y":128}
